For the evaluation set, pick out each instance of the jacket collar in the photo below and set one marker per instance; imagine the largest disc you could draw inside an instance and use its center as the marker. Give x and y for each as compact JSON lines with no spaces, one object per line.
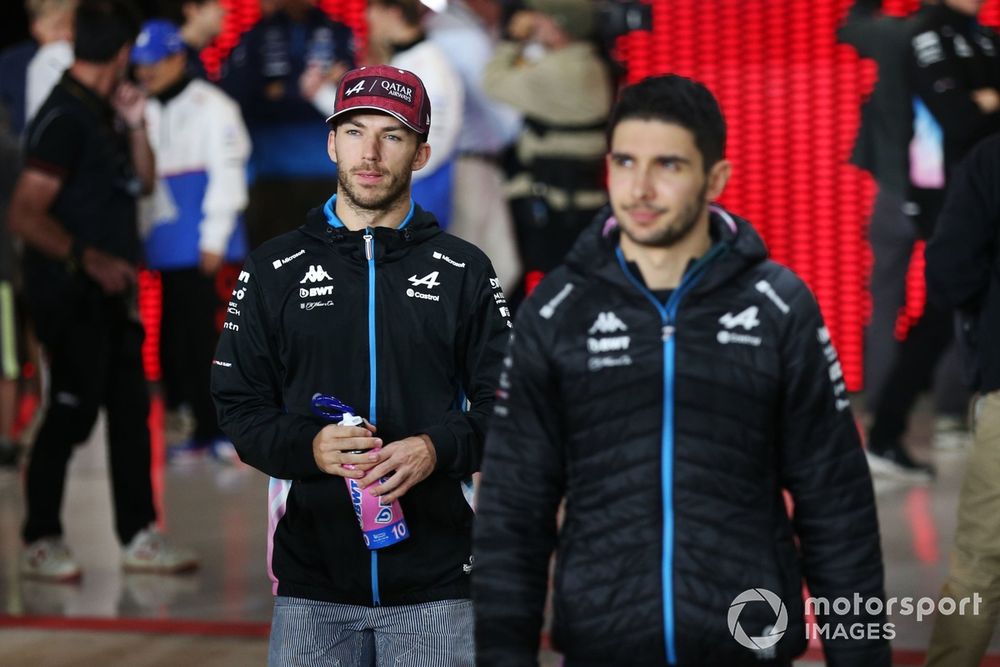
{"x":594,"y":252}
{"x":390,"y":243}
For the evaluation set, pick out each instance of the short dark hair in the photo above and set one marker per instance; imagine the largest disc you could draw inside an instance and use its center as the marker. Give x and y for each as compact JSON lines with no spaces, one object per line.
{"x":173,"y":10}
{"x":675,"y":99}
{"x":412,"y":10}
{"x":103,"y":27}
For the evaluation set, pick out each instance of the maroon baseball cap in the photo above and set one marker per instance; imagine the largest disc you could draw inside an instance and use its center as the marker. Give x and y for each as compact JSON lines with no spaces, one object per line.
{"x":391,"y":90}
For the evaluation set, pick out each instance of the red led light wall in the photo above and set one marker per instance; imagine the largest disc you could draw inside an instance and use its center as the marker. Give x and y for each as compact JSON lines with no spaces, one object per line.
{"x":791,"y":95}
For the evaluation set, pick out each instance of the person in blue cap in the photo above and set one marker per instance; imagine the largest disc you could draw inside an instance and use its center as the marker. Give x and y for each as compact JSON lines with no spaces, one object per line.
{"x":191,"y":223}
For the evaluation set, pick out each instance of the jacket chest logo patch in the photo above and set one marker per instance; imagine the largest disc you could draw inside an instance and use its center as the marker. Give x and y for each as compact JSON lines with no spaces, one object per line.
{"x":600,"y":341}
{"x":430,"y":281}
{"x":315,"y":274}
{"x":745,"y":320}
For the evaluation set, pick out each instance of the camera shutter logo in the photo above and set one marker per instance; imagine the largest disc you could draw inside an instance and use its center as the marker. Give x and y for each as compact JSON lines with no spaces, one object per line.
{"x":774,"y":633}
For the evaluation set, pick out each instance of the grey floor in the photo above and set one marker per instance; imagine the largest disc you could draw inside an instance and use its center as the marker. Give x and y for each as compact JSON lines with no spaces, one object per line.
{"x":219,"y":615}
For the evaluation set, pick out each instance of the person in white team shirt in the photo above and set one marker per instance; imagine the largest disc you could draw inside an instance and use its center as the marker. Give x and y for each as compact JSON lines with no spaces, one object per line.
{"x":191,"y":224}
{"x":52,"y":27}
{"x":395,"y":26}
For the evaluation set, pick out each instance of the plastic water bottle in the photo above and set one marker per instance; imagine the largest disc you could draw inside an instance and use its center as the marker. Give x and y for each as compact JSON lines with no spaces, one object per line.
{"x":381,"y":525}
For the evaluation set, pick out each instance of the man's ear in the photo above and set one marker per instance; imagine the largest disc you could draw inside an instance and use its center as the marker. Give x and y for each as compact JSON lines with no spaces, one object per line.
{"x":718,"y":176}
{"x":331,"y":145}
{"x":422,"y":156}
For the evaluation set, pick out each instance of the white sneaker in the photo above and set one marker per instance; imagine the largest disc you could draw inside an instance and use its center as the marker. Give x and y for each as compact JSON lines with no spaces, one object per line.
{"x":49,"y":559}
{"x":151,"y":552}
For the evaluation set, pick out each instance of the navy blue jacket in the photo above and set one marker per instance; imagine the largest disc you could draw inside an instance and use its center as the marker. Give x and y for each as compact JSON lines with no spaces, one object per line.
{"x":262,"y":75}
{"x":671,"y":430}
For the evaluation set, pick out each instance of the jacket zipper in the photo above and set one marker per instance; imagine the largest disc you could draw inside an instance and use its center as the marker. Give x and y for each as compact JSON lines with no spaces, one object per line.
{"x":372,"y":382}
{"x":668,"y":323}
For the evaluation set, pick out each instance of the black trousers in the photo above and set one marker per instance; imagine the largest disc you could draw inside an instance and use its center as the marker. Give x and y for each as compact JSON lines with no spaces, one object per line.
{"x":188,"y":336}
{"x":911,"y":374}
{"x":95,"y":360}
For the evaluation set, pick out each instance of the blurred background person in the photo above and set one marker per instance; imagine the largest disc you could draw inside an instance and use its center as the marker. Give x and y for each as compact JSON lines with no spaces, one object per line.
{"x":200,"y":22}
{"x":396,"y":29}
{"x":954,"y":70}
{"x":52,"y":27}
{"x":550,"y":69}
{"x":468,"y":32}
{"x":192,"y":220}
{"x":290,"y":170}
{"x":87,"y":159}
{"x":962,"y":258}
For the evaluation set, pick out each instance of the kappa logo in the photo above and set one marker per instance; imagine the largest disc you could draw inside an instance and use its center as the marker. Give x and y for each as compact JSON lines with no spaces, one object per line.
{"x":747,"y":319}
{"x":315,"y":274}
{"x":278,"y":263}
{"x":429,"y":281}
{"x":607,"y":323}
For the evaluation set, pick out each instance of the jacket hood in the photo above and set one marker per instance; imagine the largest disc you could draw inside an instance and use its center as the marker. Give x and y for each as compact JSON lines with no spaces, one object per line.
{"x":594,"y":252}
{"x":390,"y":243}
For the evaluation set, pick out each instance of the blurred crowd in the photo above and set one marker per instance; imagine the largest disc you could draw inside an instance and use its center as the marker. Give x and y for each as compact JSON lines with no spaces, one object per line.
{"x":153,"y":165}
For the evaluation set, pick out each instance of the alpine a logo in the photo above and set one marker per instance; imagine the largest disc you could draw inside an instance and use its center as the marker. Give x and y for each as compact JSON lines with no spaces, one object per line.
{"x":746,"y":319}
{"x":607,"y":323}
{"x":315,"y":274}
{"x":429,"y":281}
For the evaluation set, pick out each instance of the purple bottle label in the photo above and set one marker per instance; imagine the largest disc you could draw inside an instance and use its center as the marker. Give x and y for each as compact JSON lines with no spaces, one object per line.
{"x":381,"y":525}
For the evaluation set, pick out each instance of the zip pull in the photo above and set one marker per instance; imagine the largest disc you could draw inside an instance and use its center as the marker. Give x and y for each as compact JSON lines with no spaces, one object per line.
{"x":369,"y":245}
{"x":668,"y":332}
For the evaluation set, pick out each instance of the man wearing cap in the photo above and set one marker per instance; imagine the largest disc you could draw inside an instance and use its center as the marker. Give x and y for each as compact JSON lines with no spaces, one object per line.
{"x":371,"y":303}
{"x":191,"y":222}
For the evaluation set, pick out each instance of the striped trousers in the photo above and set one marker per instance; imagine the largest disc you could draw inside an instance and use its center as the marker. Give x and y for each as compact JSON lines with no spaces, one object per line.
{"x":310,"y":632}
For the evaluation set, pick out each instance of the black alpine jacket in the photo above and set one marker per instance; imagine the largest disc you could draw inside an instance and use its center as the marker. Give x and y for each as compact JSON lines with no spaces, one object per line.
{"x":671,"y":431}
{"x":403,"y":325}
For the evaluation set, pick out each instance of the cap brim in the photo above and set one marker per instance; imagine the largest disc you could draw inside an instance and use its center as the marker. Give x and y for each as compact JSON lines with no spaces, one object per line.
{"x":368,"y":107}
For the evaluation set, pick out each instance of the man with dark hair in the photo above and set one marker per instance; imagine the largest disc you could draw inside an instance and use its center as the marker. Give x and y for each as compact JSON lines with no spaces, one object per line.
{"x":371,"y":304}
{"x":87,"y":158}
{"x":671,"y":384}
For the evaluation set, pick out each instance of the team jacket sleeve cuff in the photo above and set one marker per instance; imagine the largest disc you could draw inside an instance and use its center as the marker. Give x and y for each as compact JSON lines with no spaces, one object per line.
{"x":445,"y":446}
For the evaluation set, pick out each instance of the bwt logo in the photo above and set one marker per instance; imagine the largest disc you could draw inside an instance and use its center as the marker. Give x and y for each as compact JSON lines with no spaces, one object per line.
{"x":774,"y":633}
{"x":325,"y":290}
